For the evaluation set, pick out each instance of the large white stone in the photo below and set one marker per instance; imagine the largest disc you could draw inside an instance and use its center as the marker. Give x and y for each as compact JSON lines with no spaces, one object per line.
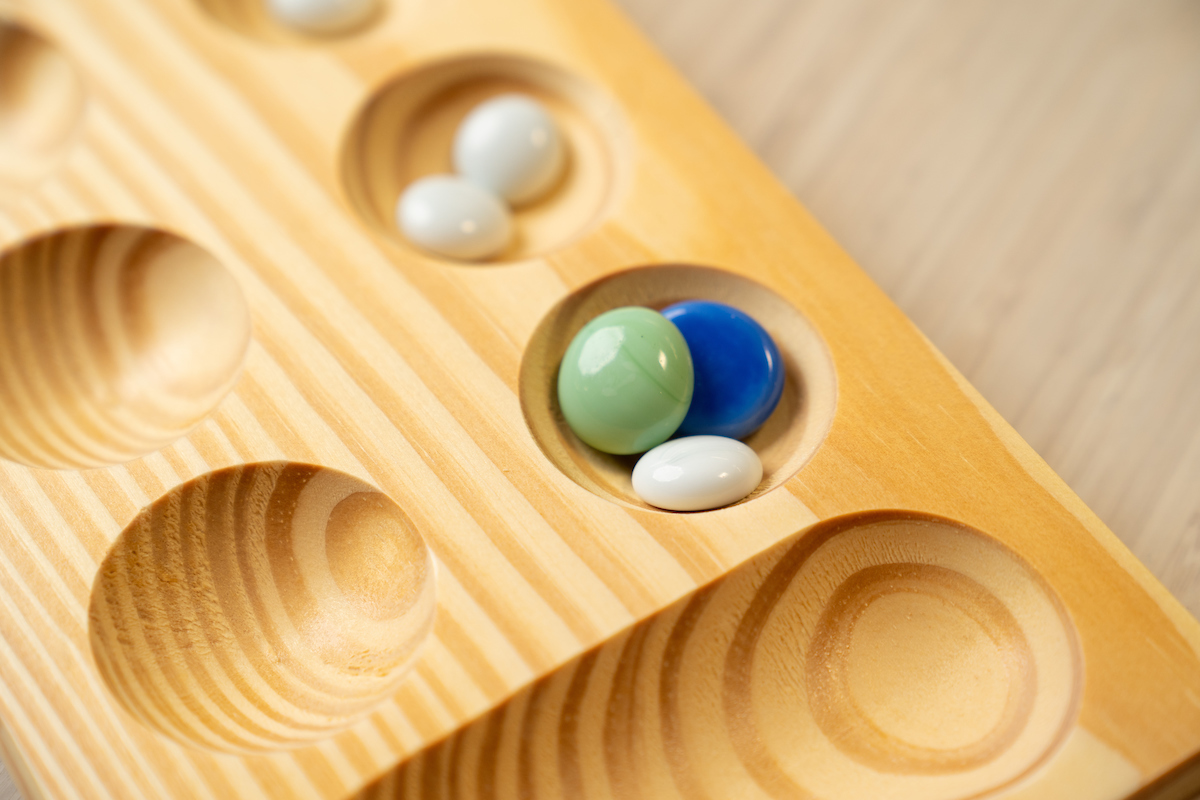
{"x":697,"y":473}
{"x":512,"y":146}
{"x":452,"y":217}
{"x":323,"y":16}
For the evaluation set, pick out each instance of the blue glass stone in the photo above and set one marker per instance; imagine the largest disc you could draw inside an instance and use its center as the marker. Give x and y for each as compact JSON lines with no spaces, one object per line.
{"x":738,"y":371}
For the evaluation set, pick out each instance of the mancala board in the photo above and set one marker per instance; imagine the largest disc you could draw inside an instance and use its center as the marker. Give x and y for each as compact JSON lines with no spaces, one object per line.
{"x":289,"y":509}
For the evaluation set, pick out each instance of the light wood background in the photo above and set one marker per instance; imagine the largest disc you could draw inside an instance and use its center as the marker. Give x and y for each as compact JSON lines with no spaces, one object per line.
{"x":1023,"y":178}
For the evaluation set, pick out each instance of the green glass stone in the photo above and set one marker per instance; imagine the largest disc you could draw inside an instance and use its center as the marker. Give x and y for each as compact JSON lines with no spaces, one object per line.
{"x":626,"y":381}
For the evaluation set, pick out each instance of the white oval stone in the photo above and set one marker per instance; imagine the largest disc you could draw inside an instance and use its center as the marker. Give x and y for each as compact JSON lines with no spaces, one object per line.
{"x":452,"y":217}
{"x":697,"y":473}
{"x":512,"y":146}
{"x":322,"y":16}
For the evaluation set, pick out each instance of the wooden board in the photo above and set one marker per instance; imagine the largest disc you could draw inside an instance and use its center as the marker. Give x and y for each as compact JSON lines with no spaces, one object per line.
{"x":541,"y":552}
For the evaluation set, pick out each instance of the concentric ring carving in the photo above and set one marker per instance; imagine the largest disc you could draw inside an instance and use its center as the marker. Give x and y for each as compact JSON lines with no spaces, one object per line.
{"x":115,"y":341}
{"x":886,"y":654}
{"x":261,"y":607}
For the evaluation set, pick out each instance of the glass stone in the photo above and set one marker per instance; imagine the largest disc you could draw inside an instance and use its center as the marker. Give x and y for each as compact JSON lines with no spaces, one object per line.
{"x":739,"y":373}
{"x":625,"y":382}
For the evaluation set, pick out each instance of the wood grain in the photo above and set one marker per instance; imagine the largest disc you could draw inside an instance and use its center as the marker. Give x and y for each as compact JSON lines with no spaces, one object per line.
{"x":259,"y":607}
{"x":42,"y":99}
{"x":777,"y":681}
{"x":117,"y":342}
{"x":406,"y":375}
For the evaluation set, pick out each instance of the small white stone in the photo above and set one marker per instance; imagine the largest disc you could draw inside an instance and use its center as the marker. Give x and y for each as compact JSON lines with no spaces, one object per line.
{"x":511,"y":145}
{"x":697,"y":473}
{"x":452,"y":217}
{"x":322,"y":16}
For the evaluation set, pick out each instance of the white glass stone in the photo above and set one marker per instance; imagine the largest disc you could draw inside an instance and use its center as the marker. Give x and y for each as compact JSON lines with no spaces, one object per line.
{"x":697,"y":473}
{"x":512,"y":146}
{"x":322,"y":16}
{"x":452,"y":217}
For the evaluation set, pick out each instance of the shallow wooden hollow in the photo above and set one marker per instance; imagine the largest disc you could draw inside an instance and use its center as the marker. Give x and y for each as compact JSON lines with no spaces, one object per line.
{"x":42,"y":102}
{"x":116,"y":341}
{"x":406,"y":132}
{"x":881,"y":654}
{"x":935,"y":662}
{"x":784,"y":443}
{"x":261,"y":607}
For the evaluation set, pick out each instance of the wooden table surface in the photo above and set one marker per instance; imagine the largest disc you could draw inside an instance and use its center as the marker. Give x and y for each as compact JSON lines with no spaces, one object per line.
{"x":1023,"y":178}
